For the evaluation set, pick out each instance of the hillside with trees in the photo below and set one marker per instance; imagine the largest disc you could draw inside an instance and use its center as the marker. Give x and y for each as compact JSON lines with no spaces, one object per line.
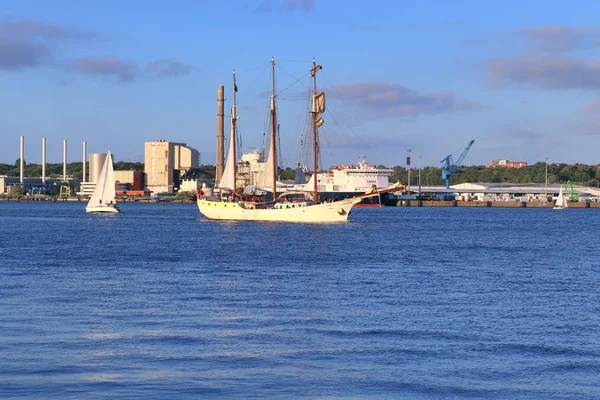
{"x":55,"y":170}
{"x":579,"y":174}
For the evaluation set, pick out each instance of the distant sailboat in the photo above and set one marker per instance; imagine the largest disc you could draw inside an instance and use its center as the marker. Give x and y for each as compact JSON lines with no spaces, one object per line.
{"x":561,"y":201}
{"x":103,"y":198}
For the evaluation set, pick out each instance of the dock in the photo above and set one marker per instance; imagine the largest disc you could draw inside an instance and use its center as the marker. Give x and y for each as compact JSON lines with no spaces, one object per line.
{"x":493,"y":204}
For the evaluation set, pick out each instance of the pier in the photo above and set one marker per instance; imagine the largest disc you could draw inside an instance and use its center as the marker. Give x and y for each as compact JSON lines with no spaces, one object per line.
{"x":494,"y":204}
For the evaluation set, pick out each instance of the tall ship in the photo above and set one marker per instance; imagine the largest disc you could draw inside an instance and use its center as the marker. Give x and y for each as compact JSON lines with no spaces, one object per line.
{"x":306,"y":205}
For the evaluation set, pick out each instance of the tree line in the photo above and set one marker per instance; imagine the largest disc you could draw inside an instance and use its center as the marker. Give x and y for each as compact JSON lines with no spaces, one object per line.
{"x":579,"y":174}
{"x":55,"y":170}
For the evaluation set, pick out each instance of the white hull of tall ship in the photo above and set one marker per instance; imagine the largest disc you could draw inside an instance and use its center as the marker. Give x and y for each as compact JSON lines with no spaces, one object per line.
{"x":283,"y":212}
{"x":102,"y":209}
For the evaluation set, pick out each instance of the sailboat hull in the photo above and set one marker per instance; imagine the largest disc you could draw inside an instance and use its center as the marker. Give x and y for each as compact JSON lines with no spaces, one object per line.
{"x":102,"y":209}
{"x":320,"y":213}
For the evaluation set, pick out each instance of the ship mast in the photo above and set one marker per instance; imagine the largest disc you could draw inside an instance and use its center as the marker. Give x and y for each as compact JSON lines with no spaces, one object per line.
{"x":274,"y":134}
{"x":315,"y":115}
{"x":234,"y":133}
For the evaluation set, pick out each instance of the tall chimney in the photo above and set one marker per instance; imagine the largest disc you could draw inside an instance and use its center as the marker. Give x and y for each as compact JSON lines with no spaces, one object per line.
{"x":21,"y":163}
{"x":65,"y":160}
{"x":43,"y":159}
{"x":220,"y":129}
{"x":84,"y":159}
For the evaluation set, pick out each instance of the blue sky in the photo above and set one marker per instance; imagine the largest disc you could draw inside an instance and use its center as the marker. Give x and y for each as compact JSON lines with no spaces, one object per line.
{"x":520,"y":78}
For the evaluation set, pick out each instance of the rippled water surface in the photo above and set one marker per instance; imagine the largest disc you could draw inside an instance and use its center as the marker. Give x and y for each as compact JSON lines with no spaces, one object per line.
{"x":157,"y":302}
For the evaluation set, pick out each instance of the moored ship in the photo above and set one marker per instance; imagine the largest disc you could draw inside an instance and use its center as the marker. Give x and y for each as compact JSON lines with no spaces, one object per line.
{"x":346,"y":181}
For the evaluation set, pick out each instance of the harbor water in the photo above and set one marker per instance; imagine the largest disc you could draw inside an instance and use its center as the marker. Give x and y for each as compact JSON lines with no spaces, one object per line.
{"x":401,"y":302}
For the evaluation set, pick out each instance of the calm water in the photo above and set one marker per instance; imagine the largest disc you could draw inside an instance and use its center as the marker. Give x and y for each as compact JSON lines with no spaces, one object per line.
{"x":400,"y":303}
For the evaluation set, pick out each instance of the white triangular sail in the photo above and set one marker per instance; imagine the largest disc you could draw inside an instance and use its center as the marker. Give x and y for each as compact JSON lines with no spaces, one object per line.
{"x":104,"y":192}
{"x":109,"y":182}
{"x":228,"y":179}
{"x":264,"y":178}
{"x":561,"y":200}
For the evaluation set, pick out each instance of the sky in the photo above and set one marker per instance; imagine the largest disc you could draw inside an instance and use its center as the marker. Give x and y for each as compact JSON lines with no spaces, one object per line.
{"x":522,"y":79}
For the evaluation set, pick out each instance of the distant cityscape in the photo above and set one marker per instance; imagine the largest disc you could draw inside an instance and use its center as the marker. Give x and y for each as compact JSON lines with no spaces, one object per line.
{"x":173,"y":167}
{"x":164,"y":169}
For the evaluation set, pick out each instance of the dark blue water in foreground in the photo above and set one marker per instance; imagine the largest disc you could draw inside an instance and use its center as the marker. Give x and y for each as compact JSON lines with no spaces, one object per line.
{"x":400,"y":303}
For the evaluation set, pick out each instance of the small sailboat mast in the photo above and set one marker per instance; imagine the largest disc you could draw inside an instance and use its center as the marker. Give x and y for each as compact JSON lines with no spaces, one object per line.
{"x":316,"y":121}
{"x":273,"y":145}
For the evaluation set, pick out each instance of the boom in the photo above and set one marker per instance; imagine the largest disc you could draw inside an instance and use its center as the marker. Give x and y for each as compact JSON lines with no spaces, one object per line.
{"x":573,"y":196}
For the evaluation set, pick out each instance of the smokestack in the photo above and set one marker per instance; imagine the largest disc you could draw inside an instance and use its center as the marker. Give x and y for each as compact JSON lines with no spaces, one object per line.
{"x":43,"y":159}
{"x":65,"y":160}
{"x":220,"y":130}
{"x":84,"y":159}
{"x":21,"y":163}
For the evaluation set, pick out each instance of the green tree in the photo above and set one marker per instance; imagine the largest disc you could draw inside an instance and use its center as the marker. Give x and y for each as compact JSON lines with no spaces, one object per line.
{"x":16,"y":192}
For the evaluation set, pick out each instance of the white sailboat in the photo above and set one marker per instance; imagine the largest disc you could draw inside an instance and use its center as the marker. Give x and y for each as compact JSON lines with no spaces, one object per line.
{"x":232,"y":205}
{"x":561,"y":201}
{"x":103,"y":197}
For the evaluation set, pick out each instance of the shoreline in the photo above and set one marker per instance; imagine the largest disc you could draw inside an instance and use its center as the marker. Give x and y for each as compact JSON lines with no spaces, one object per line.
{"x":399,"y":203}
{"x":82,"y":200}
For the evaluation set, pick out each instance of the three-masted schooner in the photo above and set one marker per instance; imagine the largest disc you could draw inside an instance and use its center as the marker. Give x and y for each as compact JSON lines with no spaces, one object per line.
{"x":231,"y":205}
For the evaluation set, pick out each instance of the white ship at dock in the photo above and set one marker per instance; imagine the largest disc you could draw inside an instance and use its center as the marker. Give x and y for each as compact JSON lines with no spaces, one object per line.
{"x":343,"y":181}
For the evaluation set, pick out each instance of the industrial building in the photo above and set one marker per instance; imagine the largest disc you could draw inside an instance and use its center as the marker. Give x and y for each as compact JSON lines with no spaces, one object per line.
{"x":251,"y":168}
{"x":126,"y":182}
{"x":29,"y":185}
{"x":165,"y":162}
{"x":525,"y":192}
{"x":88,"y":185}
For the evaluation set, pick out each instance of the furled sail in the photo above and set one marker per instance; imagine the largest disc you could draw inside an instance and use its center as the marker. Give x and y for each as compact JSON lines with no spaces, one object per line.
{"x":319,"y":103}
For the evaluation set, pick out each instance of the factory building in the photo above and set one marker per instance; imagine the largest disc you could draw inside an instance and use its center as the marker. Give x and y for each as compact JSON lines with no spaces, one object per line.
{"x":130,"y":183}
{"x":165,"y":162}
{"x":29,"y":185}
{"x":125,"y":181}
{"x":96,"y":162}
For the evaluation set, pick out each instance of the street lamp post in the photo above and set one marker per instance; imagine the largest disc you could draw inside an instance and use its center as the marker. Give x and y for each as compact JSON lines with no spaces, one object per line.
{"x":546,"y":177}
{"x":408,"y":167}
{"x":419,"y":177}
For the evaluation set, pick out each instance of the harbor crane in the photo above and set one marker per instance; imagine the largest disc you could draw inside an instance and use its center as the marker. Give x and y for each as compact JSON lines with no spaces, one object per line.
{"x":449,"y":167}
{"x":573,"y":196}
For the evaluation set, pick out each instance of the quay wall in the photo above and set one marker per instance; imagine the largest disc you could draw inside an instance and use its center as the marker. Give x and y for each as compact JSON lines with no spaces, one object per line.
{"x":495,"y":204}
